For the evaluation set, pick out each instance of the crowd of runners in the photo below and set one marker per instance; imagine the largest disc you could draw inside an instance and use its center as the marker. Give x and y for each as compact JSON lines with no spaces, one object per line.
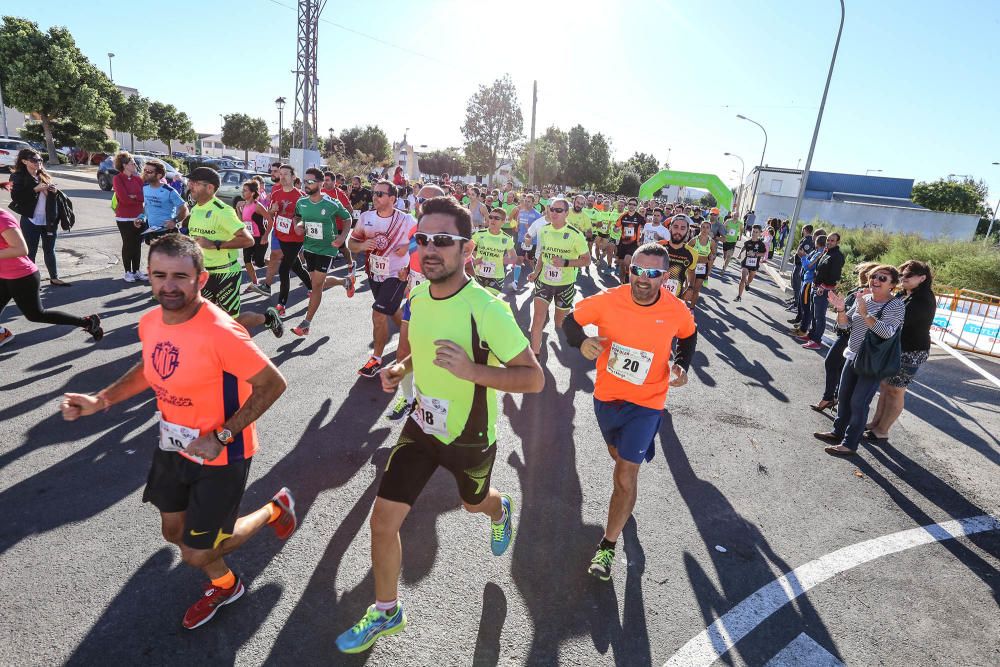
{"x":444,"y":267}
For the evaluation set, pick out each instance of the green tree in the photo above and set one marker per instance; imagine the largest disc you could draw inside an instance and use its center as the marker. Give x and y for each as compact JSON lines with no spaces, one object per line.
{"x":965,"y":196}
{"x":558,"y":138}
{"x":132,"y":115}
{"x":480,"y":160}
{"x":171,"y":125}
{"x":442,"y":162}
{"x":598,"y":160}
{"x":46,"y":73}
{"x":547,"y":166}
{"x":241,"y":131}
{"x":629,"y":183}
{"x":369,"y":140}
{"x":577,"y":166}
{"x":708,"y":201}
{"x":68,"y":133}
{"x":493,"y":122}
{"x":285,"y":142}
{"x":643,"y":165}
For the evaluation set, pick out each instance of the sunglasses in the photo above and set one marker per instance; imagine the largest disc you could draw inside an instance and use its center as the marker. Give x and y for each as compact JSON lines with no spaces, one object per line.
{"x":439,"y":240}
{"x":881,"y":277}
{"x":311,"y":181}
{"x":557,"y":210}
{"x":640,"y":272}
{"x":37,"y":160}
{"x":377,"y":194}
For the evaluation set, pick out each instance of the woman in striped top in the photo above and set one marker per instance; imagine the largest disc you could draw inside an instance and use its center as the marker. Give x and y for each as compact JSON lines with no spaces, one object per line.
{"x":878,"y":311}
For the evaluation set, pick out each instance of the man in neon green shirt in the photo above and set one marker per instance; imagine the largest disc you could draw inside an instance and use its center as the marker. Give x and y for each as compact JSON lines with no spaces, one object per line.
{"x":465,"y":346}
{"x":561,"y":250}
{"x":316,"y":217}
{"x":221,"y":234}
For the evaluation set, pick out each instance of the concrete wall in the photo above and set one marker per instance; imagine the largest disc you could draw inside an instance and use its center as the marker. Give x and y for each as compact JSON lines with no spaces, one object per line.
{"x":928,"y":224}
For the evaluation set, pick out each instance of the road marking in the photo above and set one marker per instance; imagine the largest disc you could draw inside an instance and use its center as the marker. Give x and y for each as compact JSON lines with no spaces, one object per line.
{"x":961,"y":357}
{"x":803,"y":651}
{"x":717,"y":639}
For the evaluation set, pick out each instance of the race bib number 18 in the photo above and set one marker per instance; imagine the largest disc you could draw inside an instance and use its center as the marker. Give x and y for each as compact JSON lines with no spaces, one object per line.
{"x":628,"y":363}
{"x":431,"y":414}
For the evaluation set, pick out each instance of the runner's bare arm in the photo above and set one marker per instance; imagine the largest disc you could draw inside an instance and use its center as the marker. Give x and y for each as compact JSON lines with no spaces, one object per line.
{"x":582,"y":260}
{"x":521,"y":375}
{"x":266,"y":386}
{"x":74,"y":406}
{"x":354,"y":244}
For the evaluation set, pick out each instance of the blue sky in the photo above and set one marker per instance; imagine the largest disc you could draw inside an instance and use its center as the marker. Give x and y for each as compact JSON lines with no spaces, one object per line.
{"x":914,"y":93}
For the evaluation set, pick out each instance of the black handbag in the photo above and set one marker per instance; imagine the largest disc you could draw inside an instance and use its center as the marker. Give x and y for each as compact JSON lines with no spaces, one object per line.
{"x":880,"y":357}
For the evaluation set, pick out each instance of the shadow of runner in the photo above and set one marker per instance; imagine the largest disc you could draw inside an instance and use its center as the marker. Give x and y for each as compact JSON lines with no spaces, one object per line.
{"x":930,"y":411}
{"x":327,"y":456}
{"x":715,"y":332}
{"x":748,"y":564}
{"x":490,"y":626}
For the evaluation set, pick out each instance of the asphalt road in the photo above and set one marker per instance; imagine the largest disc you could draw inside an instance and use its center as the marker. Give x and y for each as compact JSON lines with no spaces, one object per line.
{"x":738,"y":494}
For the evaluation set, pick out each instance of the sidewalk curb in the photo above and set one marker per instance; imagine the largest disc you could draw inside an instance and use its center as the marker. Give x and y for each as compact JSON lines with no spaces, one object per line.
{"x":86,"y":177}
{"x":778,"y":279}
{"x":110,"y":261}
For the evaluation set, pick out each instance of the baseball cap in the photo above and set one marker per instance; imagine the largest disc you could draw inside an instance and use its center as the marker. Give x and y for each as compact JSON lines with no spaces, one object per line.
{"x":205,"y":175}
{"x":715,"y":211}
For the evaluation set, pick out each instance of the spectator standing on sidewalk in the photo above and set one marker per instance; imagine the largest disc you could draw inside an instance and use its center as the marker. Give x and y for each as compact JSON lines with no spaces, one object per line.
{"x":128,"y":185}
{"x":915,"y":341}
{"x":805,"y":292}
{"x":806,"y":246}
{"x":31,"y":187}
{"x":829,"y":269}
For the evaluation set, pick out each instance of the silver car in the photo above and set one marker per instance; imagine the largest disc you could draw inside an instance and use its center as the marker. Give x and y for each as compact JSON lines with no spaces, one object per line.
{"x":231,"y":183}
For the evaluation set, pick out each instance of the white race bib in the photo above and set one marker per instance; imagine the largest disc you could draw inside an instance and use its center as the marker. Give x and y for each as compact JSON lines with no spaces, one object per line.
{"x":751,"y":262}
{"x":701,"y":269}
{"x":380,"y":265}
{"x":431,"y":414}
{"x":174,"y":437}
{"x":314,"y":230}
{"x":628,"y":363}
{"x":249,"y":226}
{"x":486,"y":269}
{"x":356,"y":214}
{"x":628,"y":233}
{"x":283,"y":224}
{"x":526,"y":244}
{"x":553,"y":273}
{"x":671,"y":285}
{"x":416,"y":278}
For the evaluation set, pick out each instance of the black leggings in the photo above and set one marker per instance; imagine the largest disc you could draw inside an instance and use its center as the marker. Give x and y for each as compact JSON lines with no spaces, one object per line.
{"x":131,"y":245}
{"x":24,"y":292}
{"x":290,"y":262}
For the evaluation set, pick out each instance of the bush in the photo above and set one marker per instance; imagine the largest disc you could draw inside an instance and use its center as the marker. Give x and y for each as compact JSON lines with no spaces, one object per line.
{"x":179,"y":165}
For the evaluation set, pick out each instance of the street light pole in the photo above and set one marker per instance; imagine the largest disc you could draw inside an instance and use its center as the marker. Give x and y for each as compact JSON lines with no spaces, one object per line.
{"x":753,"y":195}
{"x":280,"y":103}
{"x":996,"y":209}
{"x":740,"y":193}
{"x":111,"y":72}
{"x":812,"y":146}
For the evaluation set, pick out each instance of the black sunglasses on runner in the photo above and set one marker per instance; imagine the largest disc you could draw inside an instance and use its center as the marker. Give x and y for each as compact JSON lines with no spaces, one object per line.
{"x":380,"y":193}
{"x":439,"y":240}
{"x":649,"y":273}
{"x":556,"y":210}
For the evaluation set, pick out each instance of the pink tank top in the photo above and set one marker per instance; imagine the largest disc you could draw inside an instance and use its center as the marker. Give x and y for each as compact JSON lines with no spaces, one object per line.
{"x":249,"y":208}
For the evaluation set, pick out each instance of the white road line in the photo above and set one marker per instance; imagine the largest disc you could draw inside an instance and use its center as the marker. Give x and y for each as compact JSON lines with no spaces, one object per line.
{"x":961,"y":357}
{"x":804,"y":651}
{"x":717,"y":639}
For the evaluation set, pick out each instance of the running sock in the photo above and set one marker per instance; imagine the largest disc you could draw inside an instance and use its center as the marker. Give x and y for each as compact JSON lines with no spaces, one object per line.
{"x":605,"y":544}
{"x":517,"y":273}
{"x":503,"y":516}
{"x":377,"y":358}
{"x":275,"y":511}
{"x":406,"y":386}
{"x":227,"y":581}
{"x":387,"y":608}
{"x":305,"y":323}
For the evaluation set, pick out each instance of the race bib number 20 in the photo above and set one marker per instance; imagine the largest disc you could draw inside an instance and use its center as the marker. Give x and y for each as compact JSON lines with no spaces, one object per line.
{"x":628,"y":363}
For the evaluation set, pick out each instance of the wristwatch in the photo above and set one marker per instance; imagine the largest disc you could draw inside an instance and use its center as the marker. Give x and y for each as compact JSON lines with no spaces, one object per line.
{"x":218,"y":245}
{"x":224,"y":436}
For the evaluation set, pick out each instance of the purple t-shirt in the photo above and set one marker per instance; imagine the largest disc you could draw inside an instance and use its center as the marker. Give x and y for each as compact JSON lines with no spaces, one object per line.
{"x":13,"y":267}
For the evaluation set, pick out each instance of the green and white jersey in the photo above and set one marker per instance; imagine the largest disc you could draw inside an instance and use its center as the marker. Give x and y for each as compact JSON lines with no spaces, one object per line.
{"x":491,"y":248}
{"x":217,"y":222}
{"x":732,"y":231}
{"x":565,"y":243}
{"x":452,"y":410}
{"x":320,"y":223}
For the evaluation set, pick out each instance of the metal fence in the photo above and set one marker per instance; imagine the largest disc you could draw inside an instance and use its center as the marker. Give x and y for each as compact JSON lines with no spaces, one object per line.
{"x":967,"y":320}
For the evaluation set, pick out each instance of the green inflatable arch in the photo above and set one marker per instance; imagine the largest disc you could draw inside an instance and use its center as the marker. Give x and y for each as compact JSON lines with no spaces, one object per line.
{"x":688,"y":179}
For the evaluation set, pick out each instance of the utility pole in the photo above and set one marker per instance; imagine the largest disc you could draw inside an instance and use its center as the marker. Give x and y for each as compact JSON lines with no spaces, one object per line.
{"x":531,"y":146}
{"x":3,"y":111}
{"x":306,"y":79}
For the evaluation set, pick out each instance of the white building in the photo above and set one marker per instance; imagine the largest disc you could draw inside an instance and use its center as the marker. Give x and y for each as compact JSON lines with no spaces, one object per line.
{"x":849,"y":201}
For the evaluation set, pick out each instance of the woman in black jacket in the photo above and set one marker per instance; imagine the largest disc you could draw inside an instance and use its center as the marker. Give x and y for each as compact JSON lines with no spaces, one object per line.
{"x":915,"y":280}
{"x":32,"y":186}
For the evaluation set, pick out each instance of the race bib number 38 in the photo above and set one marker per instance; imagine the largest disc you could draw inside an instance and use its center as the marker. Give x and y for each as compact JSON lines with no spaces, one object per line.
{"x":628,"y":363}
{"x":314,"y":230}
{"x":431,"y":414}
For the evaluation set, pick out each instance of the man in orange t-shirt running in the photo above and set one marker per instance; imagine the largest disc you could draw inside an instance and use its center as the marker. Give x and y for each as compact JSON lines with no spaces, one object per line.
{"x":636,"y":327}
{"x":211,"y":384}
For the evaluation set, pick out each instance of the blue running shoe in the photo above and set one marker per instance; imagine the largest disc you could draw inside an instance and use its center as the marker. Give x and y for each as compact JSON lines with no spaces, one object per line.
{"x":373,"y":624}
{"x":503,"y":533}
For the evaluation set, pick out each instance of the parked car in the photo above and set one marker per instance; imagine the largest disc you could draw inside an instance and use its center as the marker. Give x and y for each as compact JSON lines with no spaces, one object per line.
{"x":180,"y":155}
{"x":231,"y":183}
{"x":9,"y":148}
{"x":106,"y":171}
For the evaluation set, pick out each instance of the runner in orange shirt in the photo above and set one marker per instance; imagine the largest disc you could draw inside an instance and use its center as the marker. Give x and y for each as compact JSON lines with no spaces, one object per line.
{"x":211,"y":384}
{"x":636,"y":327}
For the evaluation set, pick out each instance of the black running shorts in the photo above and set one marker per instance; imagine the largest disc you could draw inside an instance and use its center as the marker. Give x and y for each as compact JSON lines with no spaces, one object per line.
{"x":318,"y":263}
{"x":223,"y":289}
{"x":256,"y":253}
{"x":388,"y":295}
{"x":209,"y":496}
{"x":562,"y":295}
{"x":417,"y":455}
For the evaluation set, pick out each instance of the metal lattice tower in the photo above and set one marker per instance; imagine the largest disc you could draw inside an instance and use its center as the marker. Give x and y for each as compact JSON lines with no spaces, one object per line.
{"x":306,"y":79}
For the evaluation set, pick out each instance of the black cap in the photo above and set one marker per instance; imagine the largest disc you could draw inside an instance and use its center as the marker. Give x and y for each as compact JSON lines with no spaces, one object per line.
{"x":205,"y":175}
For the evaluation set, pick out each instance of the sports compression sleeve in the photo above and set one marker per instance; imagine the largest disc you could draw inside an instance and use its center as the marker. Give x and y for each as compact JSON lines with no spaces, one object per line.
{"x":685,"y":349}
{"x":575,"y":334}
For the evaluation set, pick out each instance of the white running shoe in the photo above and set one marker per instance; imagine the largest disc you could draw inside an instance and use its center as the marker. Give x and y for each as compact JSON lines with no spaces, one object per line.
{"x":129,"y":277}
{"x":141,"y":275}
